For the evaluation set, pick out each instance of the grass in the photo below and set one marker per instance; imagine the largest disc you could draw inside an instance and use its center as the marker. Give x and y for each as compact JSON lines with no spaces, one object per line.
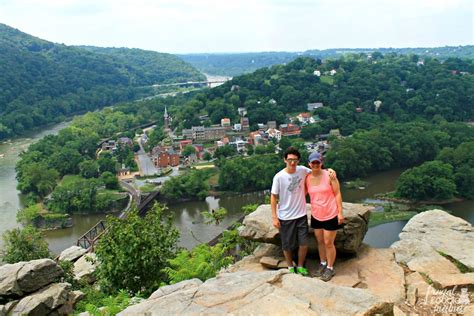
{"x":461,"y":267}
{"x":147,"y":188}
{"x":70,"y":178}
{"x":377,"y":218}
{"x":327,"y":79}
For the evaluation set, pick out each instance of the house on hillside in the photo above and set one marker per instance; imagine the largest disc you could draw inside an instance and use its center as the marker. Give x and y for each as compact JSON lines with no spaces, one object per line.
{"x":244,"y":122}
{"x":305,"y":118}
{"x":125,"y":141}
{"x":109,"y":145}
{"x":274,"y":133}
{"x":314,"y":106}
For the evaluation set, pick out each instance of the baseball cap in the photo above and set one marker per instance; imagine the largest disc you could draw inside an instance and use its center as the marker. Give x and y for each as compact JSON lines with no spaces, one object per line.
{"x":316,"y":156}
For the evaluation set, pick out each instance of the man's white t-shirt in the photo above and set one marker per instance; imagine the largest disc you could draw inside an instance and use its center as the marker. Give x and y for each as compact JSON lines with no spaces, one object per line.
{"x":290,"y":190}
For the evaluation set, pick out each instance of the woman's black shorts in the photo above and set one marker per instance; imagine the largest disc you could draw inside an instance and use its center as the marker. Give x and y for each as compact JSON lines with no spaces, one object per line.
{"x":330,"y":224}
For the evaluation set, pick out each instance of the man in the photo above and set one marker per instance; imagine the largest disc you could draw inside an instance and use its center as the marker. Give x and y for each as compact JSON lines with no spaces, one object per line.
{"x":288,"y":205}
{"x":288,"y":192}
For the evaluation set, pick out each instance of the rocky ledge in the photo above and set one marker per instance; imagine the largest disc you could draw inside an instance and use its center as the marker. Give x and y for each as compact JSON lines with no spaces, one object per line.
{"x":411,"y":277}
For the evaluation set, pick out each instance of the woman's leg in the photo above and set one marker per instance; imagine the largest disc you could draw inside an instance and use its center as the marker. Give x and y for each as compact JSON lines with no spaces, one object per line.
{"x":319,"y":234}
{"x":329,"y":237}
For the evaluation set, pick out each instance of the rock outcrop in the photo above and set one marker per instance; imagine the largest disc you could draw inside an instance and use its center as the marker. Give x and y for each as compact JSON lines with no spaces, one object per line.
{"x":265,"y":293}
{"x":85,"y":267}
{"x":433,"y":246}
{"x":258,"y":226}
{"x":29,"y":288}
{"x":22,"y":278}
{"x":72,"y":253}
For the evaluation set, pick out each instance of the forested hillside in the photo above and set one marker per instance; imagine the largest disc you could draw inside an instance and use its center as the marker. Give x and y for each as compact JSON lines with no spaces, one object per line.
{"x":42,"y":82}
{"x":233,"y":64}
{"x":408,"y":87}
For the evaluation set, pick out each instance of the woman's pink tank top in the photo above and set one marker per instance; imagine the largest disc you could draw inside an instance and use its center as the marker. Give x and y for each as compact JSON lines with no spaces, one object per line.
{"x":323,"y":200}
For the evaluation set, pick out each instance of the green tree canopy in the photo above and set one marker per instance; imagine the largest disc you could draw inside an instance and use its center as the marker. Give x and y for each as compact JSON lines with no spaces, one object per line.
{"x":24,"y":245}
{"x":134,"y":251}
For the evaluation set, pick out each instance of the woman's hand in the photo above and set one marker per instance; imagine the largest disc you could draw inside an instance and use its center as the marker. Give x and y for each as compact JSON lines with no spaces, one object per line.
{"x":340,"y":219}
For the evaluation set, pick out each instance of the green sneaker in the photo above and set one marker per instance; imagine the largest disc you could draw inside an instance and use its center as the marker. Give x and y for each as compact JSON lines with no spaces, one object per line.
{"x":292,"y":270}
{"x":303,"y":271}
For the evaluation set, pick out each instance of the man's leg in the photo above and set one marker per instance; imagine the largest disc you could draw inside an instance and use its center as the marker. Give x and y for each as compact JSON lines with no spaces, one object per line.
{"x":302,"y":251}
{"x":288,"y":257}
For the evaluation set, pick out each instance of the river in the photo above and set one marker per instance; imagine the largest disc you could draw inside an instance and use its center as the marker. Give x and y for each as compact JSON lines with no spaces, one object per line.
{"x":10,"y":197}
{"x":187,"y":216}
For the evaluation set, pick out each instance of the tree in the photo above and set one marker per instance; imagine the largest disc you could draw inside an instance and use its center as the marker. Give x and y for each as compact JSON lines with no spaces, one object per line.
{"x":431,"y":180}
{"x":89,"y":169}
{"x":109,"y":180}
{"x":207,"y":156}
{"x":215,"y":216}
{"x":134,"y":251}
{"x":188,"y":150}
{"x":24,"y":245}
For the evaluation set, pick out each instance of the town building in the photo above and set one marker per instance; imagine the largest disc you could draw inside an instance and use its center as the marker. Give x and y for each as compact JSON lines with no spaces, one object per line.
{"x":163,"y":157}
{"x":305,"y":118}
{"x":225,"y":122}
{"x":109,"y":145}
{"x":314,"y":106}
{"x":272,"y":124}
{"x":274,"y":133}
{"x":290,"y":130}
{"x":244,"y":122}
{"x":125,"y":141}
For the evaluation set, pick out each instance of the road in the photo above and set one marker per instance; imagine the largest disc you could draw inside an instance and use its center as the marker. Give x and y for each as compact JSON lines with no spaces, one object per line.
{"x":145,"y":164}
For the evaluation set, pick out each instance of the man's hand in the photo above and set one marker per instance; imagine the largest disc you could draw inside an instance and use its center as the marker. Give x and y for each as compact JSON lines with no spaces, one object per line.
{"x":332,"y":174}
{"x":276,"y":222}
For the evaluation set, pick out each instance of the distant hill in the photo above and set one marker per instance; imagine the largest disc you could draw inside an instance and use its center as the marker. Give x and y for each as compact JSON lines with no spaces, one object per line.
{"x":42,"y":82}
{"x":233,"y":64}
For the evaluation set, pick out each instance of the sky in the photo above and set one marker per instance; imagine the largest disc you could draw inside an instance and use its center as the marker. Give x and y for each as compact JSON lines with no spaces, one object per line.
{"x":215,"y":26}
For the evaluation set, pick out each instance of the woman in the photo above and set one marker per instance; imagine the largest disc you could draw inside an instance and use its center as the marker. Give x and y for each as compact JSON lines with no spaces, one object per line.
{"x":326,"y":211}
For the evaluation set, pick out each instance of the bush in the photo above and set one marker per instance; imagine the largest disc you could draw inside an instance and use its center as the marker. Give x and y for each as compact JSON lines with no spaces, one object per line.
{"x":203,"y":262}
{"x":134,"y":251}
{"x":24,"y":245}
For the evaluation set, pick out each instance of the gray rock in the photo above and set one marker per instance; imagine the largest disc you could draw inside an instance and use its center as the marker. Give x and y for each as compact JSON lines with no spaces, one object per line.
{"x":85,"y":267}
{"x":260,"y":293}
{"x":258,"y":226}
{"x":72,"y":253}
{"x":43,"y":301}
{"x":443,"y":232}
{"x":21,"y":278}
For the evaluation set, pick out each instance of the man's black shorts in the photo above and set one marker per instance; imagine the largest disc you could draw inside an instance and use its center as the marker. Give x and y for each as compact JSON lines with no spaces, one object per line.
{"x":331,"y":224}
{"x":294,"y":233}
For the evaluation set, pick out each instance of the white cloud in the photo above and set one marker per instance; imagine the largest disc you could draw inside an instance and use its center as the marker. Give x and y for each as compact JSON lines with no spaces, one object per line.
{"x":211,"y":25}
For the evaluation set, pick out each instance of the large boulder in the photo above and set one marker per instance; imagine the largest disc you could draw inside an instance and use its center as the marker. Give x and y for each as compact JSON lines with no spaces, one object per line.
{"x":445,"y":233}
{"x":72,"y":253}
{"x":259,"y":293}
{"x":43,"y":301}
{"x":258,"y":226}
{"x":84,"y":268}
{"x":22,"y":278}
